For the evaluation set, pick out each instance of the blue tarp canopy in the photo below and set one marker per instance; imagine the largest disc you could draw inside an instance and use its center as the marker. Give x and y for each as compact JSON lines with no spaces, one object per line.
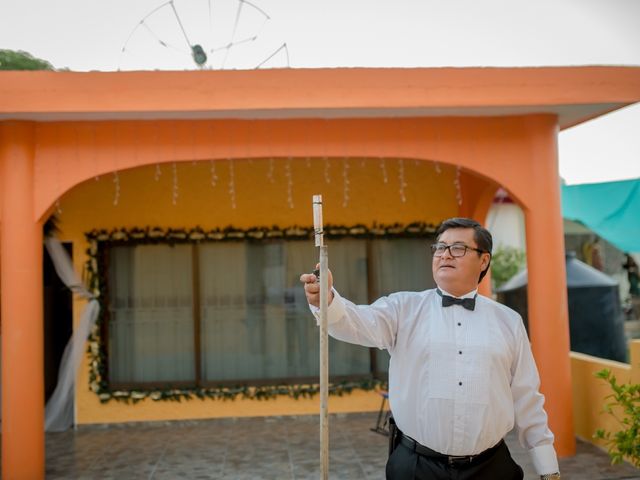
{"x":611,"y":209}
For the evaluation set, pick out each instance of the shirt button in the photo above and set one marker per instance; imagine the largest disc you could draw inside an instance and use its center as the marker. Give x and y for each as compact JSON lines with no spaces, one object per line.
{"x":460,"y":383}
{"x":459,"y":352}
{"x":459,"y":324}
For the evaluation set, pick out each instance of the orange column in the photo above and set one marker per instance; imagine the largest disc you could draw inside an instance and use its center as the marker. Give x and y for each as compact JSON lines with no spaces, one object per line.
{"x":480,"y":213}
{"x":477,"y":197}
{"x":22,"y":329}
{"x":548,"y":311}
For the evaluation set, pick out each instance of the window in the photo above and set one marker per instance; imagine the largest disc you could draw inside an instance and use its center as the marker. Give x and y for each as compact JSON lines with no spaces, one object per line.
{"x":234,"y":312}
{"x":151,"y":335}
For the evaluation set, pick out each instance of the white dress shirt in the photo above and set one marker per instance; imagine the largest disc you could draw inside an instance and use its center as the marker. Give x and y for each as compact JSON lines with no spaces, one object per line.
{"x":459,"y":380}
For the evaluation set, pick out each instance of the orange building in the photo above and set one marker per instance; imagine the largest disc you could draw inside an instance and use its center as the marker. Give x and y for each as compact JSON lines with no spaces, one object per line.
{"x":180,"y":184}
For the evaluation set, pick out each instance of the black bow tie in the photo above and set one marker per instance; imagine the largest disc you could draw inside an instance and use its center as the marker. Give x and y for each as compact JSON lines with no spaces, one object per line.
{"x":468,"y":303}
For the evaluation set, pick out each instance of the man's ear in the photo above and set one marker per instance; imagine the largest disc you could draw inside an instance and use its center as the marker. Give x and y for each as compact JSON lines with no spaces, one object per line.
{"x":486,"y":260}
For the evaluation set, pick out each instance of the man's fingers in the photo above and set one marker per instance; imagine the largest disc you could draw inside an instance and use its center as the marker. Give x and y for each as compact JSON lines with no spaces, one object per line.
{"x":312,"y":288}
{"x":308,"y":278}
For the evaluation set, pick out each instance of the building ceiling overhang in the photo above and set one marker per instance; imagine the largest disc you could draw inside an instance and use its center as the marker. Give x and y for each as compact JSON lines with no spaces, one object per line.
{"x":573,"y":94}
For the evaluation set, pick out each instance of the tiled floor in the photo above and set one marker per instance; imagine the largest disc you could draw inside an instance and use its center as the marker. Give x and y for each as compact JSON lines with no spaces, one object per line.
{"x":256,"y":448}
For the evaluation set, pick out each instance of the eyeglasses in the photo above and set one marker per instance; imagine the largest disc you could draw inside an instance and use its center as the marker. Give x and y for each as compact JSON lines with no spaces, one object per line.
{"x":455,"y":250}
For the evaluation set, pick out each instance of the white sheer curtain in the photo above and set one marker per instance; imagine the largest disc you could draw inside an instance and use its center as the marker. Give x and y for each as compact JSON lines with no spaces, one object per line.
{"x":150,"y":314}
{"x":59,"y":414}
{"x":256,"y":322}
{"x":402,"y":264}
{"x":399,"y":265}
{"x":348,"y":263}
{"x":230,"y":337}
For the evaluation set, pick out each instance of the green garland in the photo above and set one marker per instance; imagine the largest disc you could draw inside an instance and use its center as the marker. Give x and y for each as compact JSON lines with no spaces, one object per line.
{"x":99,"y":239}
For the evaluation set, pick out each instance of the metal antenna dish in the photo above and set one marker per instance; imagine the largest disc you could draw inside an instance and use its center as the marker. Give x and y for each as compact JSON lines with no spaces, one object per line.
{"x":206,"y":38}
{"x":198,"y":55}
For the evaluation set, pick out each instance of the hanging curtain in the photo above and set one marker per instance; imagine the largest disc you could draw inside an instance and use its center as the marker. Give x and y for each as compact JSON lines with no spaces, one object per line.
{"x":59,"y":412}
{"x":348,"y":263}
{"x":399,"y":265}
{"x":255,"y":317}
{"x":150,"y":314}
{"x":231,"y":336}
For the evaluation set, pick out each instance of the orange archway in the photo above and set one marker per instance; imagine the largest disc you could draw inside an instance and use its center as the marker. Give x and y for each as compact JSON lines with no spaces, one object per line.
{"x":499,"y":126}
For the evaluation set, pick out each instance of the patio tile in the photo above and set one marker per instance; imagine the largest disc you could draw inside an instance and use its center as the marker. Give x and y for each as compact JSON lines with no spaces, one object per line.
{"x":279,"y":448}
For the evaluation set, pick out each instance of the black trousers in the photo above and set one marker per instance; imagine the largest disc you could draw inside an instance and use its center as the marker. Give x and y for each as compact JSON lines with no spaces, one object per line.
{"x":405,"y":464}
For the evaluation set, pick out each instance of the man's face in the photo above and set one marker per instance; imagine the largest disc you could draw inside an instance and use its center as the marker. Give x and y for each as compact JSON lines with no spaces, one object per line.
{"x":459,"y":275}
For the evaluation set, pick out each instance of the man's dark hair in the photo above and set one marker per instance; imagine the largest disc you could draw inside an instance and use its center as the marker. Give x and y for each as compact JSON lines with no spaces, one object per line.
{"x":481,"y":236}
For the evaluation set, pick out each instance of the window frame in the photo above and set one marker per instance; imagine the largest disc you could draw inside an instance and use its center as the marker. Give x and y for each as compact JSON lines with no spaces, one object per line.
{"x":115,"y":239}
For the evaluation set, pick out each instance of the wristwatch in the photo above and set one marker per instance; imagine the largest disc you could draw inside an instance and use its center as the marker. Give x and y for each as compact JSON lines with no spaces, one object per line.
{"x":550,"y":476}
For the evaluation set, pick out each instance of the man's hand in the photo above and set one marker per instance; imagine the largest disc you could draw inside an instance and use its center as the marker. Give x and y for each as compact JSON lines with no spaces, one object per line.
{"x":312,"y":287}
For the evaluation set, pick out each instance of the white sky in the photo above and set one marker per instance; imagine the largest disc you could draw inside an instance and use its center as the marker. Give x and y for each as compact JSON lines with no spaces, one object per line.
{"x":90,"y":35}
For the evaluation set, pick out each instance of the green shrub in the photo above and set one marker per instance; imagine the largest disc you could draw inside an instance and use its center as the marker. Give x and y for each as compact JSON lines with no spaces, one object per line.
{"x":505,"y":263}
{"x":625,"y":443}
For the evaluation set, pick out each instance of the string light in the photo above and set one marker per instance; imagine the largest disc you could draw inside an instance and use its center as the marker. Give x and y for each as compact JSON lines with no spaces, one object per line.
{"x":308,"y":162}
{"x":401,"y":181}
{"x":345,"y":184}
{"x":270,"y":171}
{"x":438,"y":148}
{"x":214,"y":175}
{"x":232,"y":184}
{"x":289,"y":177}
{"x":383,"y":167}
{"x":458,"y":187}
{"x":327,"y":178}
{"x":174,"y":192}
{"x":58,"y":209}
{"x":116,"y":186}
{"x":94,"y":149}
{"x":156,"y":176}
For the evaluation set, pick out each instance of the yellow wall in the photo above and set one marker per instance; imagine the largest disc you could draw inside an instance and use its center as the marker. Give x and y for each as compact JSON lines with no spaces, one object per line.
{"x":430,"y":196}
{"x":262,"y":199}
{"x":589,"y":392}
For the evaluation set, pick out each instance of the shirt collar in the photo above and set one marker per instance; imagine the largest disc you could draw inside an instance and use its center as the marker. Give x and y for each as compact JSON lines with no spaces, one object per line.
{"x":471,"y":294}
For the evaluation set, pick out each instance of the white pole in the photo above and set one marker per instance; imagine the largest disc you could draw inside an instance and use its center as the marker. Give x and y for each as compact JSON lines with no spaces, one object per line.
{"x":324,"y":338}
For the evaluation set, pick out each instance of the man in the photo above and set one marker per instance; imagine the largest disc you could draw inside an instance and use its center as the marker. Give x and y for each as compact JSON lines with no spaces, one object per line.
{"x":461,"y":373}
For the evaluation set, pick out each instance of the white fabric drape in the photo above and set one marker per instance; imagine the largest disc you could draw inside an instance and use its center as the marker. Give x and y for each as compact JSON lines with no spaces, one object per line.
{"x":399,"y":265}
{"x":231,"y":336}
{"x":348,"y":263}
{"x":255,"y":319}
{"x":150,"y":314}
{"x":59,"y":415}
